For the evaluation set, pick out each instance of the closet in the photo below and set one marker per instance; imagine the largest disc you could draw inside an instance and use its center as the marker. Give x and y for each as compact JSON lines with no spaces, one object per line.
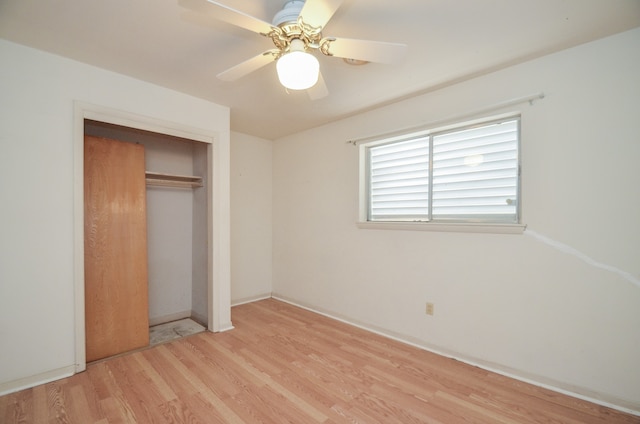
{"x":176,"y":238}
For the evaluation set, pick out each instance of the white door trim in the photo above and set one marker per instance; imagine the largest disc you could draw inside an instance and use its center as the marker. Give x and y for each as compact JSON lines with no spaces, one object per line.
{"x":218,"y":158}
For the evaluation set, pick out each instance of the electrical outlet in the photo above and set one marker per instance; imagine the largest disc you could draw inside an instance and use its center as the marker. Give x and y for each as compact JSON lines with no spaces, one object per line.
{"x":429,"y":310}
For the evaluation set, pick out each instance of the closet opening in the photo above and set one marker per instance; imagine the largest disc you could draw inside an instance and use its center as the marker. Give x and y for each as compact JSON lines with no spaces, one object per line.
{"x":215,"y":234}
{"x":177,"y":201}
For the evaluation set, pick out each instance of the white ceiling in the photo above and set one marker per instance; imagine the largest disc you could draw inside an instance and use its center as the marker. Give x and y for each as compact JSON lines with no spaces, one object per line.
{"x":448,"y":41}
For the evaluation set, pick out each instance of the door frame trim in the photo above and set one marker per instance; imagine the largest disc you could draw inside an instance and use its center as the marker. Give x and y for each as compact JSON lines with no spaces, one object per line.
{"x":218,"y":204}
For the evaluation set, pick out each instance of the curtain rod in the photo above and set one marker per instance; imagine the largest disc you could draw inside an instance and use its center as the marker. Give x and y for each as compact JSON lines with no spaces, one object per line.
{"x":518,"y":100}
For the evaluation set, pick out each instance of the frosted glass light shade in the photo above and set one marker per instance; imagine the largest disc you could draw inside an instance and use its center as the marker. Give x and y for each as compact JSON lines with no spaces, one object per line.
{"x":298,"y":70}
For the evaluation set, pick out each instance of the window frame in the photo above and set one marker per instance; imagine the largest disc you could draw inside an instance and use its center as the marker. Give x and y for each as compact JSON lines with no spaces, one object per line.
{"x":458,"y":225}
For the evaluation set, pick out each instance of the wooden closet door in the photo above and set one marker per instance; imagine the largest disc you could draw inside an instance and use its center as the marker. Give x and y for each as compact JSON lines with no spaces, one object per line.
{"x":115,"y":249}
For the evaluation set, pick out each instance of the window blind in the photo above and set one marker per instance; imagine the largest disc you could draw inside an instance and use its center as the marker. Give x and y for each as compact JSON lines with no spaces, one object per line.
{"x":475,"y":173}
{"x":399,"y":180}
{"x":474,"y":176}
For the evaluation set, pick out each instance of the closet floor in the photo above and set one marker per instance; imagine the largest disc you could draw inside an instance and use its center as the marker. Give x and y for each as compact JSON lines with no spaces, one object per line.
{"x":173,"y":330}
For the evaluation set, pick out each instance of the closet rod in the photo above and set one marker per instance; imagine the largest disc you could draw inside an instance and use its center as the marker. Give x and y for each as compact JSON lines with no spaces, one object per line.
{"x":168,"y":180}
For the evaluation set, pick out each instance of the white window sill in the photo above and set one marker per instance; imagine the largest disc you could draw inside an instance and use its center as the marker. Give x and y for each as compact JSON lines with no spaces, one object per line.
{"x":447,"y":227}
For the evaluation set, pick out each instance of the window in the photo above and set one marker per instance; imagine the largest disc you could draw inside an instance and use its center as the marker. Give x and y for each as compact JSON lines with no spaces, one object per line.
{"x":467,"y":174}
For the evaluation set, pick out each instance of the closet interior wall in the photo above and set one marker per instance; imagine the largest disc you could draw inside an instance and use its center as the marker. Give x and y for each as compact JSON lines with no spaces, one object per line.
{"x":176,"y":224}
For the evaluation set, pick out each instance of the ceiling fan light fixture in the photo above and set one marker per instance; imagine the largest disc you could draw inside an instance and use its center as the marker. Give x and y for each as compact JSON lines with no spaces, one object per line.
{"x":298,"y":70}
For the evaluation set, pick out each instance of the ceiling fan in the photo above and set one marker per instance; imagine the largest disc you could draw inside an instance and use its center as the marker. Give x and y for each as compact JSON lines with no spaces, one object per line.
{"x":296,"y":30}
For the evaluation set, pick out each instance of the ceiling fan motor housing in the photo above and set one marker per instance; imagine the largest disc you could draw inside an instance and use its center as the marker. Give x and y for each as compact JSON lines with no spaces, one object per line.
{"x":289,"y":13}
{"x":288,"y":25}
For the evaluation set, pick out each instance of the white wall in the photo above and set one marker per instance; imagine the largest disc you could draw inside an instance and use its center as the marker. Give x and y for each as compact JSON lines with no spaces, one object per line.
{"x":37,"y":186}
{"x":251,"y":217}
{"x":559,"y":304}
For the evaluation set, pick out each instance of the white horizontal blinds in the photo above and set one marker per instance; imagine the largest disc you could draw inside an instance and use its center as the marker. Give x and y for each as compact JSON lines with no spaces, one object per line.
{"x":475,"y":173}
{"x":399,"y":180}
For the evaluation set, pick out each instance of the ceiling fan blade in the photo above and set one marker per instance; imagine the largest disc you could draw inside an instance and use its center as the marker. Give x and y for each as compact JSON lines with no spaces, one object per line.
{"x":248,"y":66}
{"x":319,"y":90}
{"x":371,"y":51}
{"x":227,"y":14}
{"x":318,"y":12}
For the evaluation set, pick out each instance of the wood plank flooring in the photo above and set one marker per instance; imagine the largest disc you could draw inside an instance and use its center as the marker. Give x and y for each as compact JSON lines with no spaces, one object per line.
{"x":283,"y":364}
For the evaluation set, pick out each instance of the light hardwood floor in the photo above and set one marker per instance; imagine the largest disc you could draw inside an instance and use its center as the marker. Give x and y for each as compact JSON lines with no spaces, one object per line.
{"x":283,"y":364}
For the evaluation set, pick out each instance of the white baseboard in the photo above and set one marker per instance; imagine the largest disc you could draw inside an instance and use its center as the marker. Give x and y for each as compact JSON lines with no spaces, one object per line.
{"x":236,"y":302}
{"x":601,"y":399}
{"x":35,"y":380}
{"x":225,"y":327}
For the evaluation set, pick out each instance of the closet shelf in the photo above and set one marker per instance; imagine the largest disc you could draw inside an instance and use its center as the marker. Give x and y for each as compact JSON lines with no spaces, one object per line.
{"x":168,"y":180}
